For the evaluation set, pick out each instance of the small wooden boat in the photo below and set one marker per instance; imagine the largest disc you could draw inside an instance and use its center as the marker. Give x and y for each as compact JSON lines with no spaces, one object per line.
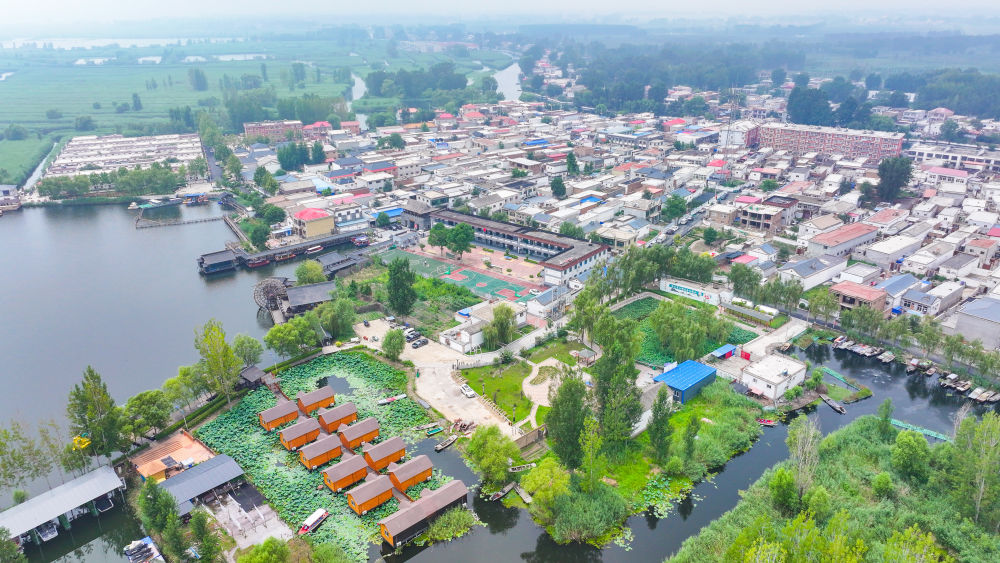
{"x":766,"y":422}
{"x":520,"y":468}
{"x":388,"y":400}
{"x":930,"y":372}
{"x":434,"y":430}
{"x":503,"y":492}
{"x":283,"y":256}
{"x":963,"y":386}
{"x":985,"y":397}
{"x":313,"y":522}
{"x":995,"y":398}
{"x":976,"y":393}
{"x":425,"y":426}
{"x":443,"y":445}
{"x":833,"y":404}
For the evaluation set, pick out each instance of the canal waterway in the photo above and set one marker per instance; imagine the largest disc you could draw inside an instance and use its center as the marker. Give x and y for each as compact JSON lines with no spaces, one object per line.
{"x":82,"y":286}
{"x":508,"y":82}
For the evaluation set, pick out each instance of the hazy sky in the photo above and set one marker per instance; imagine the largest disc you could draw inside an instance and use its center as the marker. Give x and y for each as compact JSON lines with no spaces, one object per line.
{"x":74,"y":12}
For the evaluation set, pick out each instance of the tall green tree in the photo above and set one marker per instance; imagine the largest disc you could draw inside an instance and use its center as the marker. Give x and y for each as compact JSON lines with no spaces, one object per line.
{"x":894,"y":173}
{"x":316,"y":153}
{"x":558,"y":187}
{"x":174,"y":542}
{"x":745,"y":280}
{"x":564,"y":423}
{"x":460,"y":238}
{"x":272,"y":550}
{"x":156,"y":504}
{"x":145,"y":411}
{"x":309,"y":272}
{"x":400,"y":287}
{"x":489,"y":451}
{"x":572,"y":167}
{"x":592,"y":462}
{"x":438,"y":236}
{"x":221,"y":366}
{"x":91,"y":410}
{"x":9,"y":552}
{"x":393,"y":343}
{"x":809,"y":106}
{"x":546,"y":483}
{"x":248,"y":349}
{"x":337,"y":317}
{"x":910,"y":456}
{"x":502,"y":329}
{"x":571,"y":230}
{"x":674,"y":207}
{"x":660,"y":431}
{"x":783,"y":493}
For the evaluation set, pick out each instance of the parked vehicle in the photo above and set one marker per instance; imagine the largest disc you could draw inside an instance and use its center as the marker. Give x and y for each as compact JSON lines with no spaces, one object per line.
{"x":467,"y":391}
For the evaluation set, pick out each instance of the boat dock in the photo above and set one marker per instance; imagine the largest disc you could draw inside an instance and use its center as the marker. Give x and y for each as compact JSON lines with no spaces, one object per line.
{"x":839,"y":377}
{"x":232,"y":258}
{"x":924,"y":431}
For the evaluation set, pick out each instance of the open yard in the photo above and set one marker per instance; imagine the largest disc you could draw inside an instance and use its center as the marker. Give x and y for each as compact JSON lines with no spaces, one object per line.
{"x":290,"y":489}
{"x":558,"y":349}
{"x":502,"y":386}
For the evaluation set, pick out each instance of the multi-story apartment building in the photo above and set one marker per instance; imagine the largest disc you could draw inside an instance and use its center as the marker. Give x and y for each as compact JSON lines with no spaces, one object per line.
{"x":854,"y":143}
{"x":91,"y":154}
{"x":958,"y":156}
{"x":274,"y":130}
{"x":759,"y":217}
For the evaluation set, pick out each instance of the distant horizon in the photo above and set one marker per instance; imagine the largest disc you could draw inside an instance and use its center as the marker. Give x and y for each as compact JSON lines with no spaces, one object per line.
{"x":52,"y":19}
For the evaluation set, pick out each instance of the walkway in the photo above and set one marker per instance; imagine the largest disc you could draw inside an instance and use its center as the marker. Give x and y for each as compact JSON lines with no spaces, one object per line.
{"x":760,"y":346}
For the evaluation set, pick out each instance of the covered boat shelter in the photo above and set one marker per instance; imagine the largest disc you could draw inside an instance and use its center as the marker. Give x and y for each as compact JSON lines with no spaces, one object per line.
{"x":52,"y":504}
{"x":200,"y":479}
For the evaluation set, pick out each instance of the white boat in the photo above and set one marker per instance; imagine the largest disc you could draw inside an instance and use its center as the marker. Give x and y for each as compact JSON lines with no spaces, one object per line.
{"x":313,"y":522}
{"x":976,"y":393}
{"x":314,"y":249}
{"x":48,"y":531}
{"x":388,"y":400}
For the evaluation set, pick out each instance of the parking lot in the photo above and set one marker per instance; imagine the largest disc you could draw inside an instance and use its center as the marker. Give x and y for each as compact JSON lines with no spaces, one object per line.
{"x":435,"y":384}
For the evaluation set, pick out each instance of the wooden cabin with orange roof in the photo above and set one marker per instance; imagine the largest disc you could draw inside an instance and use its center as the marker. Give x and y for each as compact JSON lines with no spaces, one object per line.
{"x":331,"y":419}
{"x":321,"y":451}
{"x":299,"y":434}
{"x":313,"y":400}
{"x":349,"y":471}
{"x":379,"y":456}
{"x":284,"y":412}
{"x":370,"y":494}
{"x":417,"y":470}
{"x":358,"y":433}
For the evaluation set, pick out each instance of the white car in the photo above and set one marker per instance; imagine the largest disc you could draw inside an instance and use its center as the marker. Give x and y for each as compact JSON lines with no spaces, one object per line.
{"x":534,"y":292}
{"x":467,"y":391}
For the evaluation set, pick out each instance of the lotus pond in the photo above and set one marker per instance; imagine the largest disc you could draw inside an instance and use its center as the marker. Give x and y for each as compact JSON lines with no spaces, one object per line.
{"x":295,"y":492}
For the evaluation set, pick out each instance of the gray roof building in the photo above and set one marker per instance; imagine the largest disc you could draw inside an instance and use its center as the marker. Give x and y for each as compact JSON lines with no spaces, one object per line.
{"x":201,"y":479}
{"x":60,"y":500}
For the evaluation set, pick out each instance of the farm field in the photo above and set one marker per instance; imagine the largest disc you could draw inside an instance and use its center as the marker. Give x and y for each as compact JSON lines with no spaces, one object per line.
{"x":654,"y":354}
{"x":295,"y":492}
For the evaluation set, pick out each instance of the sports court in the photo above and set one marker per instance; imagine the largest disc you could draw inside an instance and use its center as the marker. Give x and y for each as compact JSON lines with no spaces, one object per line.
{"x":477,"y":282}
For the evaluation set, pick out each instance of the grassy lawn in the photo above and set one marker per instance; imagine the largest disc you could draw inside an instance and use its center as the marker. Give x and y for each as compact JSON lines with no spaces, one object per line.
{"x":558,"y":349}
{"x":541,"y":414}
{"x":18,"y":158}
{"x":778,"y":321}
{"x":837,"y":392}
{"x":503,"y":386}
{"x":545,"y":373}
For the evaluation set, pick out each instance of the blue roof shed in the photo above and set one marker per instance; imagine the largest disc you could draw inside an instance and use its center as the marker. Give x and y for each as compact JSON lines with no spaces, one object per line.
{"x":687,"y":379}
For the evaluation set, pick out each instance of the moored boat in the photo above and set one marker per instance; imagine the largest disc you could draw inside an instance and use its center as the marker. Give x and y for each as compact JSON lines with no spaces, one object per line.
{"x":833,"y":404}
{"x":434,"y":430}
{"x":103,"y":504}
{"x":282,"y":256}
{"x":388,"y":400}
{"x":766,"y":422}
{"x":425,"y":426}
{"x":314,"y":249}
{"x":441,"y":446}
{"x":258,"y":262}
{"x":520,"y":468}
{"x":47,"y":531}
{"x":502,"y":492}
{"x":313,"y":522}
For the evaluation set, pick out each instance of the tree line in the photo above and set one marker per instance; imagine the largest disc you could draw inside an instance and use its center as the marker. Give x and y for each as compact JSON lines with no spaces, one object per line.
{"x":159,"y":178}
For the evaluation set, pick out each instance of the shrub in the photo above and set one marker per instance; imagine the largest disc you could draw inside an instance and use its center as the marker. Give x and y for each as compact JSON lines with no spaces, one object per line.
{"x":817,"y":500}
{"x":882,"y":486}
{"x":675,"y":467}
{"x":783,"y":493}
{"x":452,"y":524}
{"x":581,"y":516}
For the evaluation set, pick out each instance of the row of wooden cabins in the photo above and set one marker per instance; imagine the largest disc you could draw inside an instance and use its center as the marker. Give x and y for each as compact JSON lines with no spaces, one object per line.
{"x":306,"y":403}
{"x":345,"y":432}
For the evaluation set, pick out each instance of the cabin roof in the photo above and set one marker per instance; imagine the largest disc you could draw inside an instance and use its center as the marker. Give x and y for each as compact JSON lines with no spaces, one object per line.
{"x":338,"y":412}
{"x":300,"y":429}
{"x":428,"y":503}
{"x":283,"y":409}
{"x":345,"y":468}
{"x":386,"y":448}
{"x":321,"y":446}
{"x":359,"y":428}
{"x":410,"y":469}
{"x":370,"y":489}
{"x":200,"y":479}
{"x":316,"y":396}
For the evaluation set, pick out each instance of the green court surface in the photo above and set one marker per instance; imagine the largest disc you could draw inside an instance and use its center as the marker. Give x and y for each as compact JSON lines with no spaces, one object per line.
{"x":480,"y":284}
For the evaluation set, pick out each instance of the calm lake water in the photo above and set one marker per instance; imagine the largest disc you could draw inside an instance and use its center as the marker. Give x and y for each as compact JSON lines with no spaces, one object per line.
{"x":83,"y":286}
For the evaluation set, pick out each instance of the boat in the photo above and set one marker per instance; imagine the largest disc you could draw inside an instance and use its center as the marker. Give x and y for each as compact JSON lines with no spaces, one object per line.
{"x":47,"y":531}
{"x":258,"y":262}
{"x":766,"y":422}
{"x":104,"y":504}
{"x":132,"y":205}
{"x":314,"y":249}
{"x":451,"y":440}
{"x":976,"y":393}
{"x":434,"y":430}
{"x":839,"y":340}
{"x":887,"y":357}
{"x":360,"y":241}
{"x":155,"y":203}
{"x":313,"y":522}
{"x":196,"y":199}
{"x":141,"y":551}
{"x":963,"y":386}
{"x":520,"y":468}
{"x":930,"y":372}
{"x":995,"y":398}
{"x":282,"y":256}
{"x":987,"y":396}
{"x":502,"y":492}
{"x":833,"y":404}
{"x":425,"y":426}
{"x":388,"y":400}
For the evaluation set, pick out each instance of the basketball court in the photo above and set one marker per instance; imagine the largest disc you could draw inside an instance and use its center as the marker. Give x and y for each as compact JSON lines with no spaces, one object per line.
{"x":476,"y":281}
